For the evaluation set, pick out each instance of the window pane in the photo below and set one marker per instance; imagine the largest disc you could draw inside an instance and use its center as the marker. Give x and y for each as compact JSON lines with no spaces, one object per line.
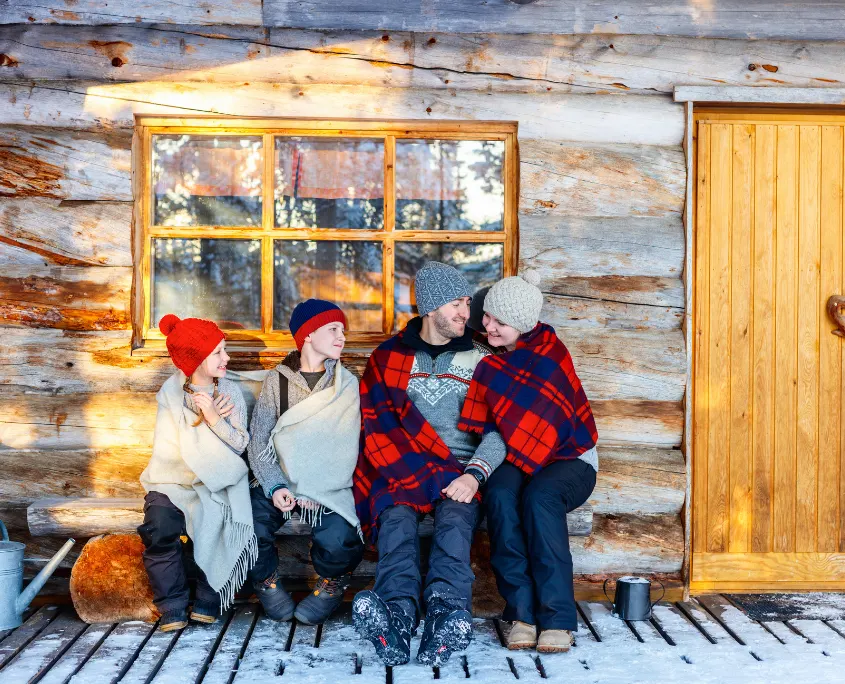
{"x":205,"y":278}
{"x":346,"y":273}
{"x":206,"y":180}
{"x":449,"y":185}
{"x":329,"y":183}
{"x":481,"y":264}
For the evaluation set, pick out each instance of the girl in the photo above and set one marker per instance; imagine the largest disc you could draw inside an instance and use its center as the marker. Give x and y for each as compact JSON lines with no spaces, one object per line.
{"x":532,"y":396}
{"x":196,"y":481}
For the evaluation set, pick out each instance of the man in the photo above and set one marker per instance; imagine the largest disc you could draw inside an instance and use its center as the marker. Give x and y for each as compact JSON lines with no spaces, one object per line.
{"x":414,"y":461}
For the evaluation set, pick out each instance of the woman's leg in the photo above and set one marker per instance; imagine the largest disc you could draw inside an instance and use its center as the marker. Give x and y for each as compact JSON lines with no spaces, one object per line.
{"x":559,"y":488}
{"x":508,"y":551}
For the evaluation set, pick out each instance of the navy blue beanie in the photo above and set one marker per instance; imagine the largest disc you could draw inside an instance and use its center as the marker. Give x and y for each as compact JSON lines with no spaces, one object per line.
{"x":312,"y":314}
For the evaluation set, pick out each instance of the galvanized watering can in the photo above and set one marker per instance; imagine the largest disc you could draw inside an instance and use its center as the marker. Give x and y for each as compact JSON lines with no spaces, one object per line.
{"x":13,"y":597}
{"x":632,"y":599}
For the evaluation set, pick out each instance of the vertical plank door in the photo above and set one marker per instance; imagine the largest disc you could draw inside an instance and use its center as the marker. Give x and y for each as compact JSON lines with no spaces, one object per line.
{"x":768,"y":414}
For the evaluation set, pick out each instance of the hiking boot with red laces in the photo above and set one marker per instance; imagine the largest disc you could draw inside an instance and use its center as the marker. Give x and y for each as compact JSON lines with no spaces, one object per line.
{"x":325,"y":598}
{"x":277,"y":603}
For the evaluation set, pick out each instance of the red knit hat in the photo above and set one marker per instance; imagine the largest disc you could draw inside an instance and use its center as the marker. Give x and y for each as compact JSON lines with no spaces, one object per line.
{"x":189,"y":340}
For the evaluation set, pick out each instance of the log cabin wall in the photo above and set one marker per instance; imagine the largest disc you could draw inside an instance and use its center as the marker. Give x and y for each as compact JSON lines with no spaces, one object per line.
{"x":602,"y":186}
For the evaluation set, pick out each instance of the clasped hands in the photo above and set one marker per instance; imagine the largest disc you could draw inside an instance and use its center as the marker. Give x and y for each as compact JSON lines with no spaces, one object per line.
{"x":214,"y":409}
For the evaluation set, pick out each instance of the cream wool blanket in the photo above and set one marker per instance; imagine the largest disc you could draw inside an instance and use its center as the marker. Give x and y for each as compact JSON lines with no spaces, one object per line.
{"x":316,"y":442}
{"x":209,"y":483}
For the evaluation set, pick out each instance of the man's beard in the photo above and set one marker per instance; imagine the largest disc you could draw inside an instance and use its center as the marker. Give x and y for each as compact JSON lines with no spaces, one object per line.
{"x":443,"y":326}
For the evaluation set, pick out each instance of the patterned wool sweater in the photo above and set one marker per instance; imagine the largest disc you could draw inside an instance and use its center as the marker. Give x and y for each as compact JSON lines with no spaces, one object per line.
{"x":438,"y":388}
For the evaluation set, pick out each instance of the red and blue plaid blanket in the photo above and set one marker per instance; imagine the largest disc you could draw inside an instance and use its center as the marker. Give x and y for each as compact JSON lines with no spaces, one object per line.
{"x":403,"y":460}
{"x":533,"y":397}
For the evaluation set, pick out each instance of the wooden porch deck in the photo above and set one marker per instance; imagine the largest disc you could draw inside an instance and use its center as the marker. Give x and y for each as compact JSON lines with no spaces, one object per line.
{"x":703,"y":640}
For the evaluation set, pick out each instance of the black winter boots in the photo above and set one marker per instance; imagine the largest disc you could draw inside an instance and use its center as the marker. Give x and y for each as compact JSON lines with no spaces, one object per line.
{"x":386,"y":626}
{"x":278,"y":604}
{"x":325,"y":598}
{"x":447,"y":630}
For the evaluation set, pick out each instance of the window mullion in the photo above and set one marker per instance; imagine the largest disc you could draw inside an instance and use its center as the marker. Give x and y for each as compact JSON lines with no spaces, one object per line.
{"x":267,"y":220}
{"x":388,"y":252}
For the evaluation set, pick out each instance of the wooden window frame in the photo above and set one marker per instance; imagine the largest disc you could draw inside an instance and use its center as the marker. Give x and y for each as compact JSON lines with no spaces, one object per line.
{"x":148,"y":339}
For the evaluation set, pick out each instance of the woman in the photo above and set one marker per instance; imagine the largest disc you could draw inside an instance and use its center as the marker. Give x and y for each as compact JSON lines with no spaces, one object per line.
{"x":532,"y":396}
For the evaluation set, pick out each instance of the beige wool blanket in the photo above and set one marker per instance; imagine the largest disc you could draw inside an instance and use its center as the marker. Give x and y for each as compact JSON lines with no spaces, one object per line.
{"x":208,"y":482}
{"x":316,"y":442}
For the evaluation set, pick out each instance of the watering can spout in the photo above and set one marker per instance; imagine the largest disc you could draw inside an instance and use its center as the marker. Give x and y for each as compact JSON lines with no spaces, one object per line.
{"x":41,"y":578}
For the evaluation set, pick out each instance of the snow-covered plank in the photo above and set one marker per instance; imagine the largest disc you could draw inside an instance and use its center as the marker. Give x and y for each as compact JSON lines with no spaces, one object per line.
{"x":819,"y":633}
{"x":344,"y":653}
{"x":115,"y":653}
{"x":15,"y":642}
{"x":46,"y":649}
{"x":609,"y":628}
{"x":78,"y":654}
{"x":246,"y":12}
{"x":759,"y":641}
{"x":264,"y":652}
{"x":195,"y":648}
{"x":797,"y":645}
{"x":151,"y":657}
{"x":234,"y":642}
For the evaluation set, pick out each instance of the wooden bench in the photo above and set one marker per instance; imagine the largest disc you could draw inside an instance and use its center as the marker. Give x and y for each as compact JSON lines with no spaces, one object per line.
{"x":89,"y":517}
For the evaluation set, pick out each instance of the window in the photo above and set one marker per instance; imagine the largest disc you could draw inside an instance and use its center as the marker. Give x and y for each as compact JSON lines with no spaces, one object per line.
{"x":241,"y":219}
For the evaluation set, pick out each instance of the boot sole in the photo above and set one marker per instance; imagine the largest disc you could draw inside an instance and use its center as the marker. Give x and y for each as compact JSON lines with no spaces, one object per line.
{"x":553,"y":649}
{"x":522,"y":646}
{"x":374,"y":633}
{"x":205,"y":619}
{"x":441,"y":649}
{"x":173,"y":626}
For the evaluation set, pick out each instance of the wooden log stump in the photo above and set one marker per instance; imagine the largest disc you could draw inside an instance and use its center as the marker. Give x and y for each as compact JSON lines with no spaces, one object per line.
{"x":108,"y":582}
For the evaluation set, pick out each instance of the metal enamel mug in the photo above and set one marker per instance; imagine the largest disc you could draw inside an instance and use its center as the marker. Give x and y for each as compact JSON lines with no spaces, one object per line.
{"x":632,"y":599}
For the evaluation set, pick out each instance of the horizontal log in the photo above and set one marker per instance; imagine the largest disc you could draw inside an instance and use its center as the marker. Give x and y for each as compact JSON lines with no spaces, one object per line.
{"x":11,"y":256}
{"x":814,"y":19}
{"x":612,"y":364}
{"x":74,"y":165}
{"x":646,"y":290}
{"x":402,"y":59}
{"x":630,"y":119}
{"x":569,"y":179}
{"x":68,"y":233}
{"x":645,"y":423}
{"x":132,"y":11}
{"x":88,"y":517}
{"x":639,"y":482}
{"x":580,"y":312}
{"x":66,"y":297}
{"x":618,"y":544}
{"x":556,"y":247}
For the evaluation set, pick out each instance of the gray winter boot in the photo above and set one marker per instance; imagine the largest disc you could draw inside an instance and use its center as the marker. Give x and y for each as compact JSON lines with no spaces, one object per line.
{"x":326,"y":597}
{"x":278,"y":604}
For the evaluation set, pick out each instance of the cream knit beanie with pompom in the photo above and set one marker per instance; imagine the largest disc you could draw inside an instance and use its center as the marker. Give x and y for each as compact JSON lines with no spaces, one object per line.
{"x":516,"y":302}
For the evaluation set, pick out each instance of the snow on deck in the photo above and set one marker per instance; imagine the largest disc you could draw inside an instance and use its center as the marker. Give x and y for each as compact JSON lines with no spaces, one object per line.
{"x":703,"y":640}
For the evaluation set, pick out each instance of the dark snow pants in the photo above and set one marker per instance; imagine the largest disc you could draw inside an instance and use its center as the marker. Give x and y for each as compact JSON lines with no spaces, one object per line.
{"x":167,"y":560}
{"x":450,"y":576}
{"x":336,"y":547}
{"x":529,"y":540}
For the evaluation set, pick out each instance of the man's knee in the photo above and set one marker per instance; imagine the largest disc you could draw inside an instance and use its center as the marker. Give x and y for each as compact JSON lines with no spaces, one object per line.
{"x":397,"y":527}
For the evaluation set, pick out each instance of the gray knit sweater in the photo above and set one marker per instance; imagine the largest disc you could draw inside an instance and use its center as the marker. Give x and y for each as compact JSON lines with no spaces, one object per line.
{"x":231,"y":430}
{"x":267,"y":411}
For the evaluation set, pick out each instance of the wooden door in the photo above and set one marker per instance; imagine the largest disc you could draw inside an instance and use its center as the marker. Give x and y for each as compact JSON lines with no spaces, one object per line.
{"x":768,"y":495}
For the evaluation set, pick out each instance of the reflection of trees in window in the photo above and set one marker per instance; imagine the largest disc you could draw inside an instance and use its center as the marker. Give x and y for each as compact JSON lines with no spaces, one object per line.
{"x":206,"y":180}
{"x":449,"y":185}
{"x":207,"y":278}
{"x":329,"y":183}
{"x":348,"y":273}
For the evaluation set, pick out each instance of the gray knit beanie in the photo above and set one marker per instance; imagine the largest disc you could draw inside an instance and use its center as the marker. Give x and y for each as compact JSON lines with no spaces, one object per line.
{"x":515,"y":302}
{"x":437,"y":284}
